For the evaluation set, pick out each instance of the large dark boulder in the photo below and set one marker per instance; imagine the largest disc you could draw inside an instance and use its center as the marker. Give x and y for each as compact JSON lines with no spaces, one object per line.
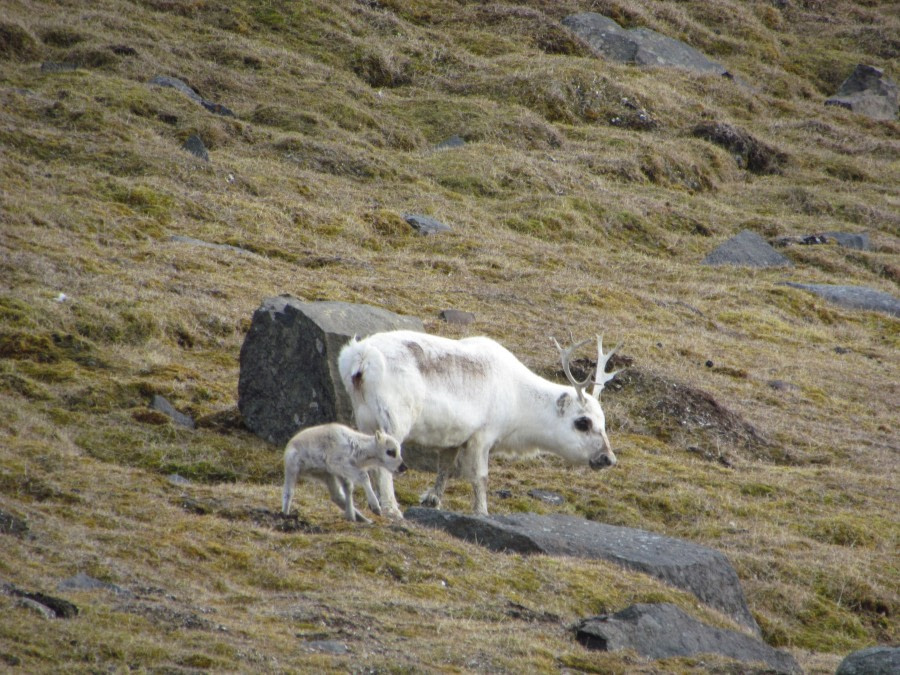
{"x":289,"y":377}
{"x":700,"y":570}
{"x":660,"y":631}
{"x":871,"y":661}
{"x":641,"y":46}
{"x":747,"y":249}
{"x":868,"y":92}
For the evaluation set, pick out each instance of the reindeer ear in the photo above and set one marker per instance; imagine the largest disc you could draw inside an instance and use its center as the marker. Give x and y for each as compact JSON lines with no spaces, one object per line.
{"x":379,"y":435}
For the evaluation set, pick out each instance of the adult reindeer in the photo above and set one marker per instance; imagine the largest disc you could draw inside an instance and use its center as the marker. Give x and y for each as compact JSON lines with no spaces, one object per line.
{"x":471,"y":397}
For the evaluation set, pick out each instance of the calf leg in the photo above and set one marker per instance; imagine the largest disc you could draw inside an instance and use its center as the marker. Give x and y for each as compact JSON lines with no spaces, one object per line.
{"x":290,"y":480}
{"x":350,"y":510}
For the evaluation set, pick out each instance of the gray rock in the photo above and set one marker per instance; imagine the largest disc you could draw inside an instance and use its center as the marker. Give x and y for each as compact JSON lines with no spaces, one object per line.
{"x":425,"y":224}
{"x":61,"y":609}
{"x":857,"y":240}
{"x":660,"y":631}
{"x":177,"y":479}
{"x":457,"y":316}
{"x":639,"y":45}
{"x":327,"y":647}
{"x":854,"y":297}
{"x":871,"y":661}
{"x":83,"y":582}
{"x":547,"y":496}
{"x":749,"y":249}
{"x":10,"y":524}
{"x":453,"y":142}
{"x":868,"y":92}
{"x":160,"y":404}
{"x":181,"y":239}
{"x":289,"y":377}
{"x":194,"y":145}
{"x":58,"y":67}
{"x":700,"y":570}
{"x":175,"y":83}
{"x":36,"y":607}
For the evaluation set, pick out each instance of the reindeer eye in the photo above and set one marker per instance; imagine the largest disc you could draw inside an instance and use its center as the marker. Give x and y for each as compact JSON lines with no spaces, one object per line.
{"x":583,"y":424}
{"x":392,"y":453}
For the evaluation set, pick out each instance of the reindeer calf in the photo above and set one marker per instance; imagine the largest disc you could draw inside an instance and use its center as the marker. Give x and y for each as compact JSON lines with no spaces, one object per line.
{"x":339,"y":457}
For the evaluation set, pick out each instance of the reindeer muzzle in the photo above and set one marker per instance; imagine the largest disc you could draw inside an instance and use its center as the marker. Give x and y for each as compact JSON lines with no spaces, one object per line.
{"x":602,"y":461}
{"x":402,"y":468}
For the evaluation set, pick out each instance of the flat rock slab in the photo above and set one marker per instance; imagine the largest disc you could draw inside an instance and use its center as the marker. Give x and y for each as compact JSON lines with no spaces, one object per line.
{"x":660,"y":631}
{"x":747,"y":249}
{"x":702,"y":571}
{"x":854,"y":297}
{"x":871,"y":661}
{"x":289,"y":376}
{"x":641,"y":46}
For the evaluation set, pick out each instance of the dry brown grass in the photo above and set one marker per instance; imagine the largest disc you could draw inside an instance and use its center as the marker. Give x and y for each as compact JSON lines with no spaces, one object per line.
{"x":561,"y":220}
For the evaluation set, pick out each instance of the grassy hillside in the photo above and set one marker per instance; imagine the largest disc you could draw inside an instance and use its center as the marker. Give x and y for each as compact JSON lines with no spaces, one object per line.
{"x":581,"y":201}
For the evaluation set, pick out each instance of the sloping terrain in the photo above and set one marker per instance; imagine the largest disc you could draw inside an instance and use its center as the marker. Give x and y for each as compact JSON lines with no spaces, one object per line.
{"x":581,"y":201}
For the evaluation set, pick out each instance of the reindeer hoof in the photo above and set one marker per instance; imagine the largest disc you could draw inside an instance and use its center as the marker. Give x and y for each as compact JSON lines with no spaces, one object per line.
{"x":430,"y":500}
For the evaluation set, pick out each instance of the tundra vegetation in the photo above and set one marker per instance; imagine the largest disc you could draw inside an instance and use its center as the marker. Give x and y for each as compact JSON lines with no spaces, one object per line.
{"x":581,"y":198}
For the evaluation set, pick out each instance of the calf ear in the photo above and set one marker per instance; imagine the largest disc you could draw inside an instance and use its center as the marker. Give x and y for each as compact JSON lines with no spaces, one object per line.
{"x":379,"y":436}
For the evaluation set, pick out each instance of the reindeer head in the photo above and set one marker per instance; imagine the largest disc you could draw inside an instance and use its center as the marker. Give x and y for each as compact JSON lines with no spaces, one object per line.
{"x":588,"y":424}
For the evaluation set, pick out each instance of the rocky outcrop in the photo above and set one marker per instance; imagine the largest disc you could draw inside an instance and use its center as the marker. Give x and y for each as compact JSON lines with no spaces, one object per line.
{"x":640,"y":46}
{"x":697,"y":569}
{"x":868,"y":92}
{"x":660,"y":631}
{"x":289,"y":377}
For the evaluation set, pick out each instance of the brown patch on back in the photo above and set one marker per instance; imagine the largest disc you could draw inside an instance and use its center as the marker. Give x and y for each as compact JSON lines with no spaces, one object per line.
{"x":446,"y":365}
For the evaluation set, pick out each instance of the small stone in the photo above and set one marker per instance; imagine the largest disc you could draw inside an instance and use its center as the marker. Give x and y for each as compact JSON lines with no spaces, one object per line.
{"x":457,"y":316}
{"x":548,"y":497}
{"x":425,"y":224}
{"x":194,"y":145}
{"x":327,"y":647}
{"x":160,"y":404}
{"x":58,"y":67}
{"x":453,"y":142}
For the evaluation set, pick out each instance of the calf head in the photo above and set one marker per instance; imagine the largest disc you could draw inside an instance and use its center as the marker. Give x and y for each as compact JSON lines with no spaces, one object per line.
{"x":389,"y":455}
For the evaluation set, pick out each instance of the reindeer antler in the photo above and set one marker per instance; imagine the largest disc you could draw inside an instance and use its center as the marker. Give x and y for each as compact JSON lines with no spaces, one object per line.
{"x":565,"y":355}
{"x":602,"y":376}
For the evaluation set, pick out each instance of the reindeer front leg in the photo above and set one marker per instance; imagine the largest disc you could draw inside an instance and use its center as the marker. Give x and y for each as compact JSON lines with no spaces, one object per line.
{"x":473,"y":464}
{"x":446,"y":461}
